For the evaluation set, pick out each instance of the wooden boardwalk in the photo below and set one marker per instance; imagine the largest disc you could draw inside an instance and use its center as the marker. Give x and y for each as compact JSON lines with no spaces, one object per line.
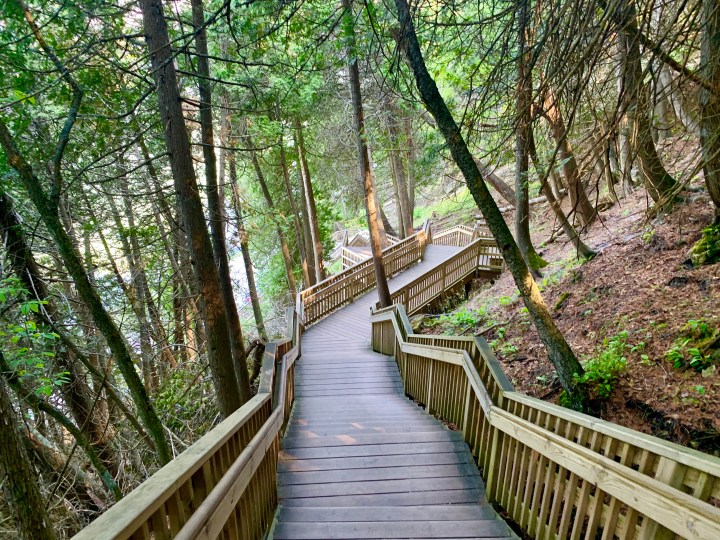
{"x":360,"y":460}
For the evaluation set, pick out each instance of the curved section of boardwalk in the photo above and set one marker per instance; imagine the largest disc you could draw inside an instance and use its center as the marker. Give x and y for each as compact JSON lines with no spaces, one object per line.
{"x":359,"y":459}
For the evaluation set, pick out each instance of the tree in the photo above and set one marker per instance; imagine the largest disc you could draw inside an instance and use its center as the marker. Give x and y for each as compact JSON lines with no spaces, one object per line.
{"x":311,"y":209}
{"x":371,"y":203}
{"x":190,"y":208}
{"x":523,"y":114}
{"x":20,"y":482}
{"x":710,"y":102}
{"x":561,"y":355}
{"x":215,"y":206}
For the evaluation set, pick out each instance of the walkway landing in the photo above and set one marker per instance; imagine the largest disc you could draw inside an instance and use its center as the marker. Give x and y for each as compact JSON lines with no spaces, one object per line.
{"x":362,"y":461}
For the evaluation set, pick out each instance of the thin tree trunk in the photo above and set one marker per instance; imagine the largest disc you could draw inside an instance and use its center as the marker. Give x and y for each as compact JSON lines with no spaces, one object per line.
{"x":294,"y":209}
{"x":245,"y":248}
{"x":177,"y":141}
{"x":310,"y":203}
{"x":410,"y":158}
{"x":20,"y":482}
{"x":523,"y":99}
{"x":215,"y":206}
{"x":710,"y":102}
{"x":558,"y":349}
{"x":307,"y":235}
{"x":581,"y":205}
{"x":284,"y":248}
{"x":582,"y":249}
{"x":396,"y":158}
{"x":73,"y":262}
{"x":365,"y":168}
{"x":637,"y":104}
{"x":505,"y":191}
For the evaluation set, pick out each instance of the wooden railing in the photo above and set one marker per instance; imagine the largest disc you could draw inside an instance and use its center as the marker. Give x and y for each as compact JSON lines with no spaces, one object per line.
{"x":351,"y":258}
{"x":342,"y":288}
{"x":458,"y":235}
{"x":224,"y":484}
{"x":558,"y":473}
{"x":482,"y":256}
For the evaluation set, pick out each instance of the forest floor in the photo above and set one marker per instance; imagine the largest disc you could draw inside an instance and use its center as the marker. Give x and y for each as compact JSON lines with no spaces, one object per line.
{"x":636,"y":300}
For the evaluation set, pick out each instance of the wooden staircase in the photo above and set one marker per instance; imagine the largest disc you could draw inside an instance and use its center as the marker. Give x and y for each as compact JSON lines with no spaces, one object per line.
{"x":360,"y":460}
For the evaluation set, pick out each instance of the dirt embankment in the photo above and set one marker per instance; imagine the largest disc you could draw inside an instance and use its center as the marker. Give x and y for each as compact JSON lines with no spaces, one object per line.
{"x":638,"y":292}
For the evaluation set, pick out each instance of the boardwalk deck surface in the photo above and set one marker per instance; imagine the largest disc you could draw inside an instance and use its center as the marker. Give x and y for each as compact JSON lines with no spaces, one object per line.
{"x":359,"y":459}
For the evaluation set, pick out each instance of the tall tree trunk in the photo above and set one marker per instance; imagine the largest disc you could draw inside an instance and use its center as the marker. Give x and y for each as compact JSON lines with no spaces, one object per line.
{"x":581,"y":205}
{"x":215,"y":206}
{"x":48,"y":211}
{"x":396,"y":158}
{"x":20,"y":482}
{"x":245,"y":248}
{"x":219,"y":348}
{"x":637,"y":104}
{"x":558,"y":349}
{"x":582,"y":249}
{"x":410,"y":160}
{"x":284,"y":248}
{"x":294,"y":209}
{"x":366,"y":173}
{"x":307,"y":235}
{"x":710,"y":101}
{"x":523,"y":119}
{"x":310,"y":202}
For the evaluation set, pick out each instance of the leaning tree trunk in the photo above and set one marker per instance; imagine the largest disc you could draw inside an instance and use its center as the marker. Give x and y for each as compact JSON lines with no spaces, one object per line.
{"x":177,"y":141}
{"x":523,"y":119}
{"x":582,"y":249}
{"x":310,"y":203}
{"x":365,"y":168}
{"x":20,"y":482}
{"x":710,"y":102}
{"x":558,"y":349}
{"x":48,"y":211}
{"x":215,"y":205}
{"x":284,"y":248}
{"x":581,"y":205}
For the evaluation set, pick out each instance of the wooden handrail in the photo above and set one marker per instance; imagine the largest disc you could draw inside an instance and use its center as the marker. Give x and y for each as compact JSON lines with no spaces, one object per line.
{"x":481,"y":255}
{"x":558,"y":473}
{"x":343,"y":288}
{"x":205,"y":491}
{"x":225,"y":483}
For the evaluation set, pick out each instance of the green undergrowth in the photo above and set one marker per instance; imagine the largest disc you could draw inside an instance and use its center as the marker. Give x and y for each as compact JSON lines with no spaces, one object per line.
{"x":707,"y":249}
{"x":697,"y":347}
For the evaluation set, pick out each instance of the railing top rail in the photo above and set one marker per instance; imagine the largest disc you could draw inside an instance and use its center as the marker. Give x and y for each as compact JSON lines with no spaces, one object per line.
{"x":349,"y":271}
{"x":684,"y":455}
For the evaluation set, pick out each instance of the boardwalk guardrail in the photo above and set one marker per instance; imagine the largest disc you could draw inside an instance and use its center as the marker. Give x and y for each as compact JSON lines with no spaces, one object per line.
{"x":558,"y":473}
{"x":225,"y":485}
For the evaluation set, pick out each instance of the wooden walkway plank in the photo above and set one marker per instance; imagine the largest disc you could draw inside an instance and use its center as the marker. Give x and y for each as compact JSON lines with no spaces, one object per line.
{"x":359,"y":459}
